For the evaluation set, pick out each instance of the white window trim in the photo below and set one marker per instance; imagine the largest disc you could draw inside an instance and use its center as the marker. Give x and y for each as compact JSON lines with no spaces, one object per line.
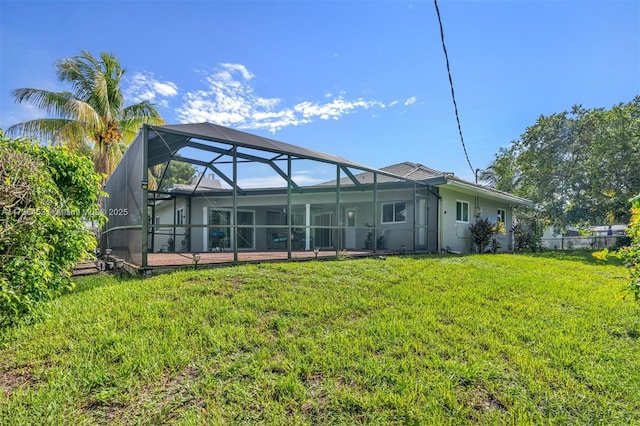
{"x":230,"y":225}
{"x":179,"y":216}
{"x":468,"y":211}
{"x":394,"y":213}
{"x":503,"y":214}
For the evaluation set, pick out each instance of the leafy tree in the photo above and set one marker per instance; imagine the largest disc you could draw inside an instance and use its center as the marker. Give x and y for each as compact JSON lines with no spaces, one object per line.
{"x":578,"y":167}
{"x":46,"y":193}
{"x":92,"y":118}
{"x":176,"y":172}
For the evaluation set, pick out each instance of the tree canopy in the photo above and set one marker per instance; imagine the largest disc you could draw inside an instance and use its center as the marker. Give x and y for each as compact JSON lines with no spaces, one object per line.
{"x":46,"y":194}
{"x":578,"y":167}
{"x":175,"y":172}
{"x":90,"y":119}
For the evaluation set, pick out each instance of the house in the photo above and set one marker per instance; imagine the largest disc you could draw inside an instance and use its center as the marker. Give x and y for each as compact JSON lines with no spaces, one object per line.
{"x":258,"y":194}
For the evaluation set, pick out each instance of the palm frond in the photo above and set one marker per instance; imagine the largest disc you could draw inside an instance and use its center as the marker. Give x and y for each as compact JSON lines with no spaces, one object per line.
{"x":134,"y":116}
{"x":78,"y":71}
{"x":45,"y":129}
{"x":112,"y":69}
{"x":53,"y":103}
{"x":75,"y":136}
{"x":84,"y":113}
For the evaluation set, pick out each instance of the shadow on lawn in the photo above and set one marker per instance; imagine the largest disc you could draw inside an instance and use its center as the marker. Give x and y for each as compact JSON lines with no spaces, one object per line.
{"x":585,"y":256}
{"x":87,"y":283}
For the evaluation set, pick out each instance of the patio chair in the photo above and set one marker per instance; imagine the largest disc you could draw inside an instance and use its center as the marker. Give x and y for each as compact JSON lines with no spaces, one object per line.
{"x":216,"y":239}
{"x":277,"y":239}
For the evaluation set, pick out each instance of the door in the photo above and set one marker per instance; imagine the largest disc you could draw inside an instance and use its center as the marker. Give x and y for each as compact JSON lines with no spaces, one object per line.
{"x":322,"y":232}
{"x":350,"y":228}
{"x":245,"y":229}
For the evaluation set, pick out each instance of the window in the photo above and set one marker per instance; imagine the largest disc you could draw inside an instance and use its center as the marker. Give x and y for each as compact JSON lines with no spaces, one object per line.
{"x":462,"y":211}
{"x":394,"y":212}
{"x":180,"y":216}
{"x":502,"y":215}
{"x":351,"y":218}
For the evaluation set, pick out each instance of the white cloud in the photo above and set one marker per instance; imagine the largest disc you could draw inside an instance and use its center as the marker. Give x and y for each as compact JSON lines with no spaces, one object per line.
{"x":229,"y":99}
{"x":143,"y":86}
{"x":238,"y":68}
{"x":412,"y":100}
{"x":333,"y":109}
{"x":393,"y":103}
{"x":276,"y":181}
{"x":165,"y":89}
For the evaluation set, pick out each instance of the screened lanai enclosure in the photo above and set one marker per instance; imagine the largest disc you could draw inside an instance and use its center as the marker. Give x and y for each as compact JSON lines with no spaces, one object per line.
{"x":248,"y":194}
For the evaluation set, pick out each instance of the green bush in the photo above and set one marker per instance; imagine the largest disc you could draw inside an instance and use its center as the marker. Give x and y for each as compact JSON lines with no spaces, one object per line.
{"x":629,"y":253}
{"x":46,"y":194}
{"x":483,"y":233}
{"x":525,"y":236}
{"x":621,"y":242}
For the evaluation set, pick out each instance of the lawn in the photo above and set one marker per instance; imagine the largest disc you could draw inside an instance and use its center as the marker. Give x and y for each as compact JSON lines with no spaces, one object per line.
{"x":407,"y":340}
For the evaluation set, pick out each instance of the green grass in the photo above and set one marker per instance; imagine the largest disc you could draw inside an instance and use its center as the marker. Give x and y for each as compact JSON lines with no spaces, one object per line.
{"x":506,"y":339}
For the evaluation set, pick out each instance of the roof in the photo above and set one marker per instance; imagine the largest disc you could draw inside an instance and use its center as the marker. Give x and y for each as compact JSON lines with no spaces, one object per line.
{"x":395,"y":173}
{"x":423,"y":174}
{"x":164,"y":141}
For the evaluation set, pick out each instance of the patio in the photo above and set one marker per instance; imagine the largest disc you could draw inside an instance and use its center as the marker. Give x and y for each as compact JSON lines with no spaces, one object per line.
{"x":184,"y":259}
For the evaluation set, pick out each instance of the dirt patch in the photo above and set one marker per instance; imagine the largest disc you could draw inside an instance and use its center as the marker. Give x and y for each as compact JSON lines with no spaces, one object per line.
{"x":12,"y":378}
{"x":481,"y":400}
{"x":156,"y":403}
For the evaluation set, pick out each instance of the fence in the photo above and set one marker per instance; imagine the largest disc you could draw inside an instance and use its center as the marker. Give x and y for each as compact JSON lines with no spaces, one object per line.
{"x":580,"y":243}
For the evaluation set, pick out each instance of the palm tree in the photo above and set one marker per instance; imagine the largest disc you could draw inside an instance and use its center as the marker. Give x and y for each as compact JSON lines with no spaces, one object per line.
{"x":91,"y":119}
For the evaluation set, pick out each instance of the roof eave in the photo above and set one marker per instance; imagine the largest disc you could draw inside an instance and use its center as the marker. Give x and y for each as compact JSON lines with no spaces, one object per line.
{"x":488,"y":192}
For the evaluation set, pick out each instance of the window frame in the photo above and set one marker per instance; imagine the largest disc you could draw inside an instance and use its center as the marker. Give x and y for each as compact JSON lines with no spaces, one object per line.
{"x":461,"y":218}
{"x":394,"y":210}
{"x":501,"y":216}
{"x":179,"y":216}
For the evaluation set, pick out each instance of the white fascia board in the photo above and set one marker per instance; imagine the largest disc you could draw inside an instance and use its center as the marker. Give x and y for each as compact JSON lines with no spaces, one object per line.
{"x":481,"y":191}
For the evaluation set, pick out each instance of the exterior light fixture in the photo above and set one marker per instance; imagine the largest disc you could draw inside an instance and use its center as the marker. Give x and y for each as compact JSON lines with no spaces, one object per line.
{"x":196,"y":259}
{"x":144,"y":184}
{"x":120,"y":266}
{"x":107,"y":264}
{"x":316,"y":251}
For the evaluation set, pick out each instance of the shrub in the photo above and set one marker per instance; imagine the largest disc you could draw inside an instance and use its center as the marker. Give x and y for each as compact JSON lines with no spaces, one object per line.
{"x":46,"y":193}
{"x":483,"y":233}
{"x":525,"y":236}
{"x":631,"y":252}
{"x":621,"y":242}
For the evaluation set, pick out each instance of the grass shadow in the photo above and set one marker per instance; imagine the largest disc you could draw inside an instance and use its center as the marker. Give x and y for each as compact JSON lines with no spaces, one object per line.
{"x":90,"y":282}
{"x":585,"y":256}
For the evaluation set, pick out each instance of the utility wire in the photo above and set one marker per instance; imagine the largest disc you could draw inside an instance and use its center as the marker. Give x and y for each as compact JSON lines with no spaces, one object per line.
{"x":453,"y":94}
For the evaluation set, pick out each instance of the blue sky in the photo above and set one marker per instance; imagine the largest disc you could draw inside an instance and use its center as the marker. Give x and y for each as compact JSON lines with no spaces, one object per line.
{"x":365,"y":80}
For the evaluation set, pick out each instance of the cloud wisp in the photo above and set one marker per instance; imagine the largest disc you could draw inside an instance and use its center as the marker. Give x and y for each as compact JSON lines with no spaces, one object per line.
{"x":229,"y":99}
{"x":144,"y":87}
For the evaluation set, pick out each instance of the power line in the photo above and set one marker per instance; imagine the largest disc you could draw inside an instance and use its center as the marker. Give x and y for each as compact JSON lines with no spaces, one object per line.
{"x":453,"y":94}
